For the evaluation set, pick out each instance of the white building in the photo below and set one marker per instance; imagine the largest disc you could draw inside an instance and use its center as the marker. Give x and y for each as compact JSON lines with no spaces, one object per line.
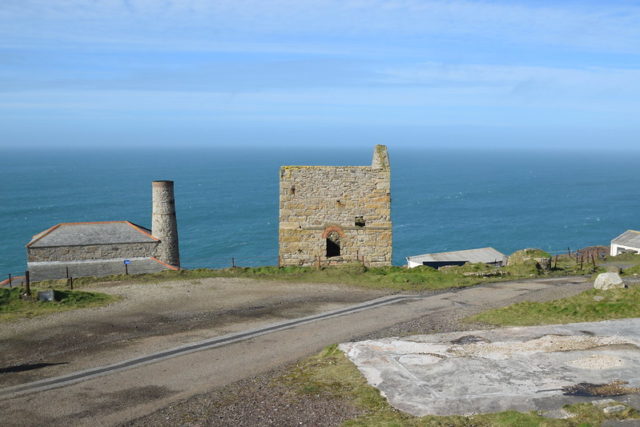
{"x":629,"y":241}
{"x":484,"y":255}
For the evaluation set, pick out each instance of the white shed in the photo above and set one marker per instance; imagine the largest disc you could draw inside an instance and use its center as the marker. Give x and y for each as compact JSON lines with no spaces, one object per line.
{"x":629,"y":241}
{"x":484,"y":255}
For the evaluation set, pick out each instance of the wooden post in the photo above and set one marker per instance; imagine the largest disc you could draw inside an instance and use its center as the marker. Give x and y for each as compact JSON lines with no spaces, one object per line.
{"x":67,"y":268}
{"x":70,"y":282}
{"x":10,"y":280}
{"x":555,"y":264}
{"x":318,"y":256}
{"x":593,"y":258}
{"x":569,"y":250}
{"x":27,"y":283}
{"x":126,"y":269}
{"x":233,"y":262}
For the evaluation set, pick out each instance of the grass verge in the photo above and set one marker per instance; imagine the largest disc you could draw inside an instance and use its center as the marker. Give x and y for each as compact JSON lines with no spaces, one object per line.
{"x":12,"y":306}
{"x":590,"y":306}
{"x":332,"y":374}
{"x":394,"y":278}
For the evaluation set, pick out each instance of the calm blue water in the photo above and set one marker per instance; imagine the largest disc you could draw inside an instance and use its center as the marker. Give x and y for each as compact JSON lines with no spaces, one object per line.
{"x":227,"y":200}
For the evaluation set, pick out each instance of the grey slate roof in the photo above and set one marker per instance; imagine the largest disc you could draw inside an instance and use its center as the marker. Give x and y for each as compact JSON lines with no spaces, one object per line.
{"x":91,"y":233}
{"x":52,"y":270}
{"x":629,"y":238}
{"x":486,"y":255}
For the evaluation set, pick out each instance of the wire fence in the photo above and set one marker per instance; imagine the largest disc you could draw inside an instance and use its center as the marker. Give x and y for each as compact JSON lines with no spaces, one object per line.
{"x":581,"y":256}
{"x":234,"y":261}
{"x":13,"y":280}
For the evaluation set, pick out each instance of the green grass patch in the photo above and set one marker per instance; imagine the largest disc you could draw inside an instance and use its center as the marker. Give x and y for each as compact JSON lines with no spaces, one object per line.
{"x":531,"y":253}
{"x":631,"y":271}
{"x":331,"y":373}
{"x":393,"y":278}
{"x":589,"y":306}
{"x":13,"y":306}
{"x":629,"y":258}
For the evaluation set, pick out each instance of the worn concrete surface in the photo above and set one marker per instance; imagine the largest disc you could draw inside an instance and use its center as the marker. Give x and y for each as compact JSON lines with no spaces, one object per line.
{"x":523,"y":368}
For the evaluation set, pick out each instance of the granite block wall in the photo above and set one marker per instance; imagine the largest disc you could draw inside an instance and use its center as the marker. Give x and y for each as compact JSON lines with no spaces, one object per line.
{"x":336,"y":214}
{"x":92,"y":252}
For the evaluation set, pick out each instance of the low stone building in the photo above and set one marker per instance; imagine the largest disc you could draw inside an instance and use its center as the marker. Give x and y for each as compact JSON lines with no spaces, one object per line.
{"x":104,"y":248}
{"x":336,"y":214}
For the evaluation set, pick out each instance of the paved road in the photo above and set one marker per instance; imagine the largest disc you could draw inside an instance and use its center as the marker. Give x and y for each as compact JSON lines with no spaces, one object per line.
{"x":143,"y":388}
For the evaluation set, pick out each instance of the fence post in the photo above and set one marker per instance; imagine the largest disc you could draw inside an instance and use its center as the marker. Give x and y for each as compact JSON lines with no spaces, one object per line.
{"x":67,"y":270}
{"x":555,"y":264}
{"x":10,"y":280}
{"x":70,"y":282}
{"x":233,"y":262}
{"x":318,"y":257}
{"x":27,"y":283}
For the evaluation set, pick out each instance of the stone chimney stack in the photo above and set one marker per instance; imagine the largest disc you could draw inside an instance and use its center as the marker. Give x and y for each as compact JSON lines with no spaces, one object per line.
{"x":164,"y":225}
{"x":380,"y":157}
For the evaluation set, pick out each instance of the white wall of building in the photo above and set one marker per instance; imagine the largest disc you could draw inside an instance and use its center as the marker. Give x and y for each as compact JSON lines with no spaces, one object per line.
{"x":618,"y":249}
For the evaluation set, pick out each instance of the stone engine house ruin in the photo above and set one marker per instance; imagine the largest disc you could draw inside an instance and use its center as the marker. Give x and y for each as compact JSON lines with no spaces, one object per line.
{"x":336,"y":214}
{"x":104,"y":248}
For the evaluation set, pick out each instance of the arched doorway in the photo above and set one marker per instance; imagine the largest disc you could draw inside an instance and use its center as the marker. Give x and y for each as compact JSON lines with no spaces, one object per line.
{"x":334,"y":241}
{"x":333,"y":244}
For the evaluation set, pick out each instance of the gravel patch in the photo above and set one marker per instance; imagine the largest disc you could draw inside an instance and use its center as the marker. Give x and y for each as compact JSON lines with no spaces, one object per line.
{"x":258,"y":401}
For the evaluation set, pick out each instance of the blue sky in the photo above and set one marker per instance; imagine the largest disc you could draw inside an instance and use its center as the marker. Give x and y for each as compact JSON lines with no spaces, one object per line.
{"x":180,"y":73}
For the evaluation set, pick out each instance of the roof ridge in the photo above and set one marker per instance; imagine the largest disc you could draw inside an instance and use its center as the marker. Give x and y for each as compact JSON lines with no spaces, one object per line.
{"x":93,"y":222}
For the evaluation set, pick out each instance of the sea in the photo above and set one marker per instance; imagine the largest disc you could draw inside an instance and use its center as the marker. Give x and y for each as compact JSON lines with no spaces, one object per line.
{"x":227,"y":198}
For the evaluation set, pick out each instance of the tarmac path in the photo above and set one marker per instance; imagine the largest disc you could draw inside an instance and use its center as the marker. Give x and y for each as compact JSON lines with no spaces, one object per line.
{"x":116,"y":394}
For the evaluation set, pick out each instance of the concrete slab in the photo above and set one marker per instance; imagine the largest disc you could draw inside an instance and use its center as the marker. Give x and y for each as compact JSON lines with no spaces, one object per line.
{"x":523,"y":368}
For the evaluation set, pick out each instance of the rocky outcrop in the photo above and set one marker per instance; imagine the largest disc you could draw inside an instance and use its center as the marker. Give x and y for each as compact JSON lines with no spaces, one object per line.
{"x":542,"y":258}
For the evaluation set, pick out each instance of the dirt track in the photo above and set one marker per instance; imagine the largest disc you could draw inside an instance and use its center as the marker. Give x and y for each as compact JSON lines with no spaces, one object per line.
{"x":153,"y":317}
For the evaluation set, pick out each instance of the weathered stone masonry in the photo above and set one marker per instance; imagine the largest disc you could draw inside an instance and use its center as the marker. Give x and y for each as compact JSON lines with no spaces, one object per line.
{"x":93,"y":252}
{"x":336,"y":214}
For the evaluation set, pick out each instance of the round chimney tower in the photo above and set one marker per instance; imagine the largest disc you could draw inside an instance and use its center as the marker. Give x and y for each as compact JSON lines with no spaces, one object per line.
{"x":164,"y":225}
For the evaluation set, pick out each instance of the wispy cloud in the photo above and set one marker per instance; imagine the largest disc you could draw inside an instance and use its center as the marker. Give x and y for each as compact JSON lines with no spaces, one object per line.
{"x":393,"y":62}
{"x":520,"y":80}
{"x":608,"y":26}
